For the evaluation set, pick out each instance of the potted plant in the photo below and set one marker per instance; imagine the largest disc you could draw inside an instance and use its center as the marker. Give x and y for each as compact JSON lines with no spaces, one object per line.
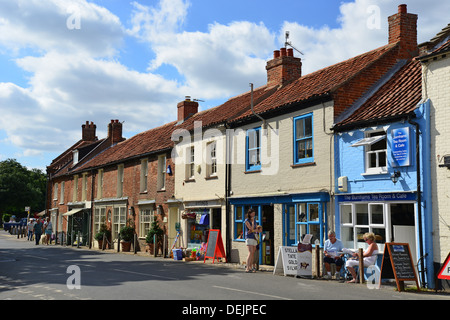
{"x":155,"y":230}
{"x":104,"y":233}
{"x":126,"y":235}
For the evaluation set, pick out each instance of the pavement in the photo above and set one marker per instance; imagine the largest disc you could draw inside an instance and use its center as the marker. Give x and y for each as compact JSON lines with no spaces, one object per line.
{"x":264,"y":269}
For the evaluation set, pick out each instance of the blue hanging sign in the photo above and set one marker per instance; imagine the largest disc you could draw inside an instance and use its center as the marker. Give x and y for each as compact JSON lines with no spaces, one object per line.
{"x":401,"y":147}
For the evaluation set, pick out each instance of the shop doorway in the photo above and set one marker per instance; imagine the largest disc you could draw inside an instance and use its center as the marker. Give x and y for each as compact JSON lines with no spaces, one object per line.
{"x":267,"y":237}
{"x":403,"y":228}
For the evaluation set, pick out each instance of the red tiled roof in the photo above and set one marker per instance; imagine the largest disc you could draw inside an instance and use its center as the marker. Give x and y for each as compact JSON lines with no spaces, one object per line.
{"x":159,"y":139}
{"x":321,"y":82}
{"x":398,"y":96}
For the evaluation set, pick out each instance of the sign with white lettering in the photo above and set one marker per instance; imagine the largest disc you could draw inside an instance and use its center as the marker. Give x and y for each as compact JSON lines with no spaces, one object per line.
{"x":395,"y":196}
{"x":401,"y":147}
{"x":286,"y":262}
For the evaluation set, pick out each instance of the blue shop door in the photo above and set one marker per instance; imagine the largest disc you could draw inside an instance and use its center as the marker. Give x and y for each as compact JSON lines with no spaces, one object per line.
{"x":288,"y":225}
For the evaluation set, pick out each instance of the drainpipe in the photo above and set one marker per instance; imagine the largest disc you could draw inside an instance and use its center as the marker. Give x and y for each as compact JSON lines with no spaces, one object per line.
{"x":227,"y":193}
{"x":419,"y":201}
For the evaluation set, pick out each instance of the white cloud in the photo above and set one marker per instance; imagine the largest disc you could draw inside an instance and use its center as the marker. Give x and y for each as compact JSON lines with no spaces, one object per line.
{"x":363,"y":27}
{"x":76,"y":75}
{"x":215,"y":64}
{"x":42,"y":25}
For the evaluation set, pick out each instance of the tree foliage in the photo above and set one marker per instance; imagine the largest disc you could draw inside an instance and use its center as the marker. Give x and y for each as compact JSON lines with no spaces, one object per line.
{"x":20,"y":188}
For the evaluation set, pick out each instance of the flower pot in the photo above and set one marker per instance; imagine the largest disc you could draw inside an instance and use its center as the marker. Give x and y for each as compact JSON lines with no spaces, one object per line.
{"x":100,"y":244}
{"x":126,"y":246}
{"x":150,"y":247}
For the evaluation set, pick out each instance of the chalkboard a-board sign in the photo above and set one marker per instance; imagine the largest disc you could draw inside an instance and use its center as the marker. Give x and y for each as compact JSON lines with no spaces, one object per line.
{"x":214,"y":247}
{"x":397,"y":263}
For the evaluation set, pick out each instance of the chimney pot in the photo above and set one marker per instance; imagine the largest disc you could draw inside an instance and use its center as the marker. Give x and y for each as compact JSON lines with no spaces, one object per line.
{"x":402,"y":8}
{"x":283,"y":68}
{"x":290,"y":52}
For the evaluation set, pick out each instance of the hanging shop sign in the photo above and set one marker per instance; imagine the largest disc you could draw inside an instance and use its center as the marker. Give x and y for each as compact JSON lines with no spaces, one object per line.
{"x":286,"y":262}
{"x":401,"y":150}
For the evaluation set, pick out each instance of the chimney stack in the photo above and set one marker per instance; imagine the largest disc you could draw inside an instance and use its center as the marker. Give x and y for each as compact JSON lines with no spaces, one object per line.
{"x":283,"y":68}
{"x":403,"y":29}
{"x":186,"y":109}
{"x":115,"y":131}
{"x":88,"y":131}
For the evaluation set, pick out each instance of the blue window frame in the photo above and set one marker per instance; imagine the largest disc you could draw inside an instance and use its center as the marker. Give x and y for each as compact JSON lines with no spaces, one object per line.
{"x":303,"y":139}
{"x":240,"y":214}
{"x":253,"y":149}
{"x":310,"y":219}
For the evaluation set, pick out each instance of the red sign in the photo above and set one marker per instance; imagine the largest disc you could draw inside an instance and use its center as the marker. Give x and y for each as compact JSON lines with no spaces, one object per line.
{"x":444,"y":273}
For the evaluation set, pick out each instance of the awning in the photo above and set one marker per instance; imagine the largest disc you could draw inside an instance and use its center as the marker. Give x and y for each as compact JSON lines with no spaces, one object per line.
{"x":41,"y":214}
{"x":368,"y":141}
{"x":73,"y":211}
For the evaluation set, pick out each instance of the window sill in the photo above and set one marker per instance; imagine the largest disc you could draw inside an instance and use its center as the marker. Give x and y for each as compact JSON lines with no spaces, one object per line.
{"x":300,"y":165}
{"x":212,"y":178}
{"x":189,"y":180}
{"x":252,"y":171}
{"x":161,"y":190}
{"x":374,"y":173}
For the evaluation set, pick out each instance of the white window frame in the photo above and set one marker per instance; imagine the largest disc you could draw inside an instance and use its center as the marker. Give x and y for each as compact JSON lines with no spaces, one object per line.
{"x":146,"y":217}
{"x":211,"y":149}
{"x":370,"y":226}
{"x":367,"y":143}
{"x":100,"y":184}
{"x":120,"y":174}
{"x":190,"y":163}
{"x":61,"y":197}
{"x":119,"y":220}
{"x":161,"y":178}
{"x":144,"y":176}
{"x":55,"y":191}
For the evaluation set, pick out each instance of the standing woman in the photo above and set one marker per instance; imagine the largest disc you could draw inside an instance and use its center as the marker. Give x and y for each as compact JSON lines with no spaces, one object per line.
{"x":250,"y":237}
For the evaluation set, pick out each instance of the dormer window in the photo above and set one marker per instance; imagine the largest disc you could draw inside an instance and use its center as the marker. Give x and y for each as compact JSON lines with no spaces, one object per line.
{"x":375,"y":147}
{"x":75,"y":157}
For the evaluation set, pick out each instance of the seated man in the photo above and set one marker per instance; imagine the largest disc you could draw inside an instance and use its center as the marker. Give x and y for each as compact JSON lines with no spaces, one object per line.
{"x":333,"y":254}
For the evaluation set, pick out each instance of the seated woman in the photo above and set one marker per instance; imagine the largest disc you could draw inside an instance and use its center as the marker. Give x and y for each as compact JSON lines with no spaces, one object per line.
{"x":369,"y":256}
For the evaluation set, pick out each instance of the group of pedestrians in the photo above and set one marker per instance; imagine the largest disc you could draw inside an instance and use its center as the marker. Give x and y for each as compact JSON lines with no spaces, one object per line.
{"x":37,"y":227}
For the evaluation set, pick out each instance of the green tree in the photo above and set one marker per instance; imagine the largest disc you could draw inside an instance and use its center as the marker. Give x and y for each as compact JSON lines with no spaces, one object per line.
{"x":21,"y":187}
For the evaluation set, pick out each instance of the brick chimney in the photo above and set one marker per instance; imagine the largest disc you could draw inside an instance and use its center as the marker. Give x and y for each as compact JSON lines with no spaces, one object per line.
{"x":115,"y":131}
{"x":283,"y":68}
{"x":88,"y":131}
{"x":186,"y":108}
{"x":403,"y":29}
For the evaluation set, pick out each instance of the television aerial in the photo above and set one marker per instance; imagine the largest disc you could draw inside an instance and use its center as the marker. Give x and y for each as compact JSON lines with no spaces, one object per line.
{"x":287,"y":43}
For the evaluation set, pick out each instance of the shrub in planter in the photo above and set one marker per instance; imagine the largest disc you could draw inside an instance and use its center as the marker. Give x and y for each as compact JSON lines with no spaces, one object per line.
{"x":155,"y":230}
{"x":126,"y":235}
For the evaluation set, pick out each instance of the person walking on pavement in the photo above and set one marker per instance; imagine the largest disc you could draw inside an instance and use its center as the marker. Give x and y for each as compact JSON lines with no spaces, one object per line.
{"x":48,"y":231}
{"x":30,"y":226}
{"x":38,"y":230}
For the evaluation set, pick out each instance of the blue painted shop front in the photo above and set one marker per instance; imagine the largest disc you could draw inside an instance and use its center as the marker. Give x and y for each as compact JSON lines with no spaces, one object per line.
{"x":383,"y":186}
{"x":302,"y":214}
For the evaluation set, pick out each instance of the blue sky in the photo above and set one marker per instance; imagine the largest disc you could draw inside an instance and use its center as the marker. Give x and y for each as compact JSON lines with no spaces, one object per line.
{"x":65,"y":62}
